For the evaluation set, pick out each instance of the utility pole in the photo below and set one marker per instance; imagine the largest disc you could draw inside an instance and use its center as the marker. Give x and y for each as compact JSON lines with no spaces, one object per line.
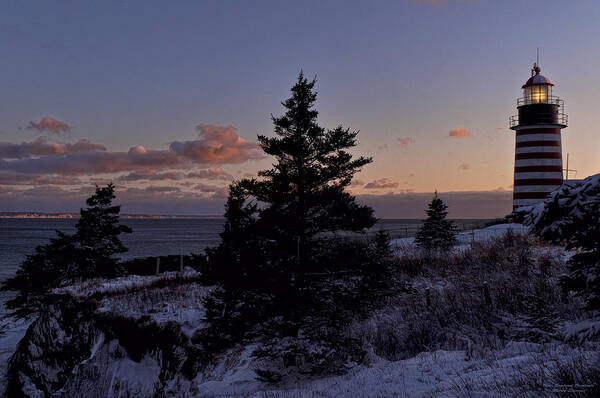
{"x":567,"y":169}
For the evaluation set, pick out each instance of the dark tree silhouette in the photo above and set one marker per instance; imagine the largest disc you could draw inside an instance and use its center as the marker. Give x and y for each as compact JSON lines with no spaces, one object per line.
{"x":304,"y":192}
{"x":273,"y":234}
{"x":97,"y":236}
{"x":87,"y":253}
{"x":571,"y":216}
{"x":436,"y":232}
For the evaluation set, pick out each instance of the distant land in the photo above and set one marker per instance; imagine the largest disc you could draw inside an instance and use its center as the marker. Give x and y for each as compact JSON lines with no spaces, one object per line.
{"x":33,"y":214}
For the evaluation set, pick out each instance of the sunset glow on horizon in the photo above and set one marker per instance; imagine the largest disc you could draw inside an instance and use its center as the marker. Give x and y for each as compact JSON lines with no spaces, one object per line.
{"x":167,"y":102}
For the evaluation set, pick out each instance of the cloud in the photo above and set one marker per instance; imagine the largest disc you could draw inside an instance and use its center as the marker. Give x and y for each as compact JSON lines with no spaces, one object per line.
{"x":464,"y":166}
{"x":357,"y":183}
{"x":138,"y":158}
{"x":481,"y":204}
{"x":41,"y":146}
{"x":405,"y":142}
{"x":500,"y":189}
{"x":381,"y":184}
{"x":139,"y":176}
{"x":217,"y":144}
{"x":49,"y":125}
{"x":35,"y":179}
{"x":209,"y":174}
{"x":459,"y":132}
{"x":152,"y":200}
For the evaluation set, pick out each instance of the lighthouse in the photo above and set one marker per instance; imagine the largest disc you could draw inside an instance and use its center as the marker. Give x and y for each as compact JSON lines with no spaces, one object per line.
{"x":538,"y":150}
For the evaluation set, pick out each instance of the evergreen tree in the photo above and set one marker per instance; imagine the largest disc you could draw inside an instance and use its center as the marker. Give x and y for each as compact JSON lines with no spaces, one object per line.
{"x":437,"y":232}
{"x":87,"y":253}
{"x":39,"y":273}
{"x":97,"y":236}
{"x":274,"y":223}
{"x":571,"y":216}
{"x":304,"y":193}
{"x":383,"y":246}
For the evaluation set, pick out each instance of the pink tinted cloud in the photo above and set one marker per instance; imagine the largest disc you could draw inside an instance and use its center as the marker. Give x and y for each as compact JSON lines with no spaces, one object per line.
{"x":140,"y":175}
{"x":381,"y":184}
{"x":464,"y":166}
{"x":210,"y":174}
{"x":41,"y":147}
{"x":357,"y":183}
{"x":137,"y":159}
{"x":405,"y":142}
{"x":217,"y":144}
{"x":49,"y":125}
{"x":459,"y":132}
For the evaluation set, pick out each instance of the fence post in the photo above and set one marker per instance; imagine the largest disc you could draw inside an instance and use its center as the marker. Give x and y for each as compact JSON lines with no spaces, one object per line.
{"x":181,"y":263}
{"x":157,"y":265}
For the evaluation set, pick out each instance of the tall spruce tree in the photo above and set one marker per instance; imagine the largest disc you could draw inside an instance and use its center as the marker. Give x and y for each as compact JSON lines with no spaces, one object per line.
{"x":274,"y":223}
{"x":436,"y":232}
{"x":304,"y":193}
{"x":85,"y":254}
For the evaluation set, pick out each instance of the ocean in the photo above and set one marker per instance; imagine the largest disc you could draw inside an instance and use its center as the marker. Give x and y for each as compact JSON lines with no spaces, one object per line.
{"x":150,"y":237}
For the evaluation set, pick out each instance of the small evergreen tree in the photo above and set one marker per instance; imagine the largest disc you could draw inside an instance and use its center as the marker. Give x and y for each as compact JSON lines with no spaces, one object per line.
{"x":87,"y":253}
{"x":97,"y":236}
{"x":436,"y":232}
{"x":383,"y":245}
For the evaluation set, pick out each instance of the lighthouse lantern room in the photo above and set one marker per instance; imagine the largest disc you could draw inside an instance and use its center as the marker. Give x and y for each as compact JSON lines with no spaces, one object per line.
{"x":538,"y":152}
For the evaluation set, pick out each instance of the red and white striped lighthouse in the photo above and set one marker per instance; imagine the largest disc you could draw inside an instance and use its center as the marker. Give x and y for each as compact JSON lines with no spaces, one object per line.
{"x":538,"y":153}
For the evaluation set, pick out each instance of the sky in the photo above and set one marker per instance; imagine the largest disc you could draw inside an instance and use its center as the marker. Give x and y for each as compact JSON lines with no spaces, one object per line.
{"x":165,"y":99}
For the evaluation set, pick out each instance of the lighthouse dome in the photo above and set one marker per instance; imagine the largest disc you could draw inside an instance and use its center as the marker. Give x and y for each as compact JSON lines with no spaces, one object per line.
{"x":537,"y":79}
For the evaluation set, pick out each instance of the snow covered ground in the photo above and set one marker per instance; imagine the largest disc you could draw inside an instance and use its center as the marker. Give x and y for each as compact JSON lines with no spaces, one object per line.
{"x":516,"y":368}
{"x":465,"y":238}
{"x":519,"y":369}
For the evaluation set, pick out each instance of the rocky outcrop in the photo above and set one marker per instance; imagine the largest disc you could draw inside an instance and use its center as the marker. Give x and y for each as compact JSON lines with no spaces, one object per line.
{"x":73,"y":350}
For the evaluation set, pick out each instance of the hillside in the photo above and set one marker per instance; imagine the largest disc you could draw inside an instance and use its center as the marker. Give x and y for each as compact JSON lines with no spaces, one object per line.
{"x":489,"y":318}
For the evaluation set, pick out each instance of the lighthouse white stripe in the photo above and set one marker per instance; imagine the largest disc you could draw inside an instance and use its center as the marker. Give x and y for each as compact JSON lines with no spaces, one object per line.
{"x":538,"y":162}
{"x":521,"y":176}
{"x":538,"y":137}
{"x":526,"y":202}
{"x":535,"y":149}
{"x":536,"y":188}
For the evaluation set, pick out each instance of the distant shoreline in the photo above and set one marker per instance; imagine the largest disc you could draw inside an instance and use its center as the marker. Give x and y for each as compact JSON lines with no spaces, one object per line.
{"x":31,"y":215}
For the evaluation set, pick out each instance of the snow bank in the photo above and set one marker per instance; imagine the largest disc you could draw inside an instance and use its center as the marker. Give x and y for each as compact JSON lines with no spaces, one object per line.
{"x":123,"y":284}
{"x":511,"y":371}
{"x":466,"y":237}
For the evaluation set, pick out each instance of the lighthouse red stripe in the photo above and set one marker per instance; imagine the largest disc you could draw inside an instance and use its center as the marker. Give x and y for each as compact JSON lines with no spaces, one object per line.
{"x":525,"y":144}
{"x":539,"y":155}
{"x":538,"y":181}
{"x":530,"y":195}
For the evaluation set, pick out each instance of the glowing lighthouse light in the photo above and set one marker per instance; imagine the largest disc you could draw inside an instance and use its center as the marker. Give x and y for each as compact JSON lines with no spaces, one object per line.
{"x":538,"y":151}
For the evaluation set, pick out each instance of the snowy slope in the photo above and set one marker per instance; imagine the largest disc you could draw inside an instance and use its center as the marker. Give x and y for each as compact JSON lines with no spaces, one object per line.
{"x":477,"y":235}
